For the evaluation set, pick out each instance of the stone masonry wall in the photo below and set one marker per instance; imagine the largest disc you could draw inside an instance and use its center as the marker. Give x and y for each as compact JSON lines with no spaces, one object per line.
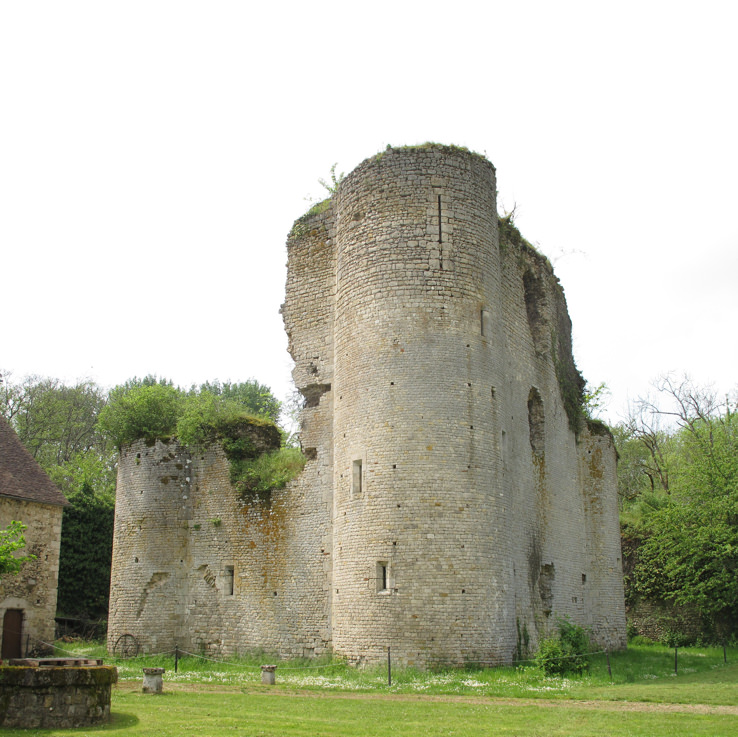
{"x":34,"y":589}
{"x":463,"y":509}
{"x":453,"y":504}
{"x":55,"y":697}
{"x":197,"y":567}
{"x":421,"y":549}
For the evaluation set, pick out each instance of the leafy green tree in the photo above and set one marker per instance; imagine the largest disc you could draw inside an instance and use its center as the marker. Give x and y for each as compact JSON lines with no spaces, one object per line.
{"x":12,"y":539}
{"x":595,"y":399}
{"x":250,"y":396}
{"x":148,"y":411}
{"x":86,"y":558}
{"x":632,"y":462}
{"x":155,"y":409}
{"x":57,"y":423}
{"x":689,"y":553}
{"x":53,"y":421}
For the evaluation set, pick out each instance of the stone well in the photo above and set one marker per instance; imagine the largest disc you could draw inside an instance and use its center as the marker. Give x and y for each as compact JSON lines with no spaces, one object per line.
{"x":55,"y":693}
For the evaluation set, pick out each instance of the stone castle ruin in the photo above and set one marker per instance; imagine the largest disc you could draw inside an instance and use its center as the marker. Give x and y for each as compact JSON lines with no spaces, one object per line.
{"x":455,"y":500}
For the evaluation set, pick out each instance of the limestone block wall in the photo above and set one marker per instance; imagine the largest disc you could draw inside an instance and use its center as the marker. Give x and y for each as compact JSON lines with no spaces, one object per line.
{"x":34,"y":589}
{"x":197,"y":567}
{"x":421,"y":553}
{"x":603,"y":588}
{"x":463,"y":519}
{"x":453,"y":504}
{"x":567,"y":561}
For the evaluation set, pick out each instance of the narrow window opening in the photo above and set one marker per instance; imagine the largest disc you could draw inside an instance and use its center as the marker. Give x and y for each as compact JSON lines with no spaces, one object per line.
{"x":584,"y":578}
{"x":382,"y":576}
{"x":440,"y":235}
{"x":229,"y":580}
{"x":356,"y":480}
{"x":486,"y":324}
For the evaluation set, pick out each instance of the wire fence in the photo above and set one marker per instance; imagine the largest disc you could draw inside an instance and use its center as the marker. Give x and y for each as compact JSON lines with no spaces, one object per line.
{"x":178,"y":654}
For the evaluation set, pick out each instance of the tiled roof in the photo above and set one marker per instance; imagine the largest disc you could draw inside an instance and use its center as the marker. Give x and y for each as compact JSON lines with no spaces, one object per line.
{"x":20,"y":476}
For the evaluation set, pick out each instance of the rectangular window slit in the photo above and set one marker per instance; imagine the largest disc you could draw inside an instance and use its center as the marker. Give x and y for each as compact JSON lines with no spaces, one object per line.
{"x":229,"y":580}
{"x":382,"y":576}
{"x":440,"y":239}
{"x":356,"y":480}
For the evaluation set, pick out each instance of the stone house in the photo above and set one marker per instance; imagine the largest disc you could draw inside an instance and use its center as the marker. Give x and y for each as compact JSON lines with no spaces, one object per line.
{"x":28,"y":600}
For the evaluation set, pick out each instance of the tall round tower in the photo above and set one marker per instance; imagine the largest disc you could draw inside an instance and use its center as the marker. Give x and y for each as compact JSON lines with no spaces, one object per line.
{"x":421,"y":556}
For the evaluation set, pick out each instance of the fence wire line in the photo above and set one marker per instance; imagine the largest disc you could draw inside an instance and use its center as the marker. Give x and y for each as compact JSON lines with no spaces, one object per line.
{"x":109,"y":657}
{"x":238,"y":665}
{"x":484,"y":663}
{"x":183,"y":652}
{"x":176,"y":651}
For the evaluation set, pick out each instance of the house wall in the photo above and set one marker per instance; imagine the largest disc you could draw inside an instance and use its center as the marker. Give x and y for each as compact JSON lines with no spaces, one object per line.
{"x":34,"y":589}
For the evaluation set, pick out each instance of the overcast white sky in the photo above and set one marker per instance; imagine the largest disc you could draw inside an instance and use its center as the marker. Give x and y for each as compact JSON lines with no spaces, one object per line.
{"x":153,"y":156}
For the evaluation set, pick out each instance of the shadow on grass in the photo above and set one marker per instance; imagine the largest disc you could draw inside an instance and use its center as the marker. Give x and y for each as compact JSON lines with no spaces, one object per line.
{"x":121,"y":721}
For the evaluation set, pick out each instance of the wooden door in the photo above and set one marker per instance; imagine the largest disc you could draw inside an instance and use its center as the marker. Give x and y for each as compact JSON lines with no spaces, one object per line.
{"x":12,"y":632}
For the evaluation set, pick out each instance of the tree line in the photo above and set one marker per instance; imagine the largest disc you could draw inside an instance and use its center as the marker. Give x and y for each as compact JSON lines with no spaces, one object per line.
{"x":678,"y":487}
{"x":74,"y":432}
{"x":677,"y":480}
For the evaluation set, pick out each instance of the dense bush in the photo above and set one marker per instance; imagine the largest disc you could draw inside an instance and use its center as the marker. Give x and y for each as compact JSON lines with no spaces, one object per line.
{"x":565,"y":653}
{"x":268,"y":471}
{"x":147,"y":412}
{"x":240,"y":416}
{"x":152,"y":409}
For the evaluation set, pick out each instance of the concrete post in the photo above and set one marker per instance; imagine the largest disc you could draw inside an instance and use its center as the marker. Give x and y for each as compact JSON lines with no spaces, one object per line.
{"x":153,"y":680}
{"x":267,"y":674}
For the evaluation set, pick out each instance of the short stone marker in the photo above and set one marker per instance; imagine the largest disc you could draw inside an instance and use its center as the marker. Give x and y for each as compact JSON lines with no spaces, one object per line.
{"x":267,"y":674}
{"x":153,"y":680}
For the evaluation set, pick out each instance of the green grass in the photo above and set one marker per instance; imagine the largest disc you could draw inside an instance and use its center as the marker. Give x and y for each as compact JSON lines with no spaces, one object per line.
{"x":643,"y":669}
{"x":258,"y":712}
{"x":316,"y":698}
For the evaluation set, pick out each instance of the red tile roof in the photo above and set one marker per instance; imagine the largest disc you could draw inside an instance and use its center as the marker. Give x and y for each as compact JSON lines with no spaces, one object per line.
{"x":20,"y":476}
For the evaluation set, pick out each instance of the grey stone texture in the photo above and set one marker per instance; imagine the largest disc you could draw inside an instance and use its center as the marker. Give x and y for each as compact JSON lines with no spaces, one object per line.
{"x":450,"y":507}
{"x":153,"y":680}
{"x":55,"y":697}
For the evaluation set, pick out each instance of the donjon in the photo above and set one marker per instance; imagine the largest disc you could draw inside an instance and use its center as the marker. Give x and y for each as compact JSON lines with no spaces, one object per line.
{"x":455,"y":501}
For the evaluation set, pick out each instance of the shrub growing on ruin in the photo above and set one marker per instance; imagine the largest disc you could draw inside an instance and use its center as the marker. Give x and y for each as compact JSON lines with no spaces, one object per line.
{"x":268,"y":471}
{"x":147,"y":412}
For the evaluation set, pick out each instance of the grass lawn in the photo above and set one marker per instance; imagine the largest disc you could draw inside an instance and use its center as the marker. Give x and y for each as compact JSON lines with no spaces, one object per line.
{"x":226,"y":699}
{"x":253,"y":713}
